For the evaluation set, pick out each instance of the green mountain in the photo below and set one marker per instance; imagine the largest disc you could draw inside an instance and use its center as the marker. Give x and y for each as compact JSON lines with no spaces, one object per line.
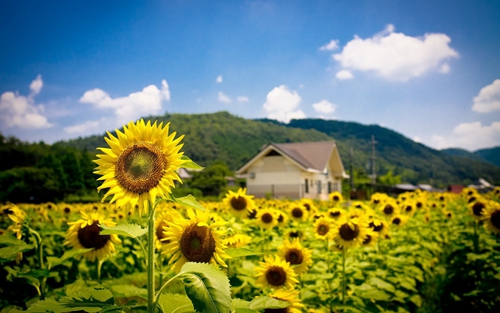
{"x":415,"y":162}
{"x":234,"y":140}
{"x":491,"y":155}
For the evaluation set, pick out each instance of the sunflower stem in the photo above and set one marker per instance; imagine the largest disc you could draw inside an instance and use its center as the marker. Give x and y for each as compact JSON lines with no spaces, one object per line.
{"x":344,"y":278}
{"x":151,"y":261}
{"x":476,"y":238}
{"x":39,"y":250}
{"x":99,"y":266}
{"x":157,"y":297}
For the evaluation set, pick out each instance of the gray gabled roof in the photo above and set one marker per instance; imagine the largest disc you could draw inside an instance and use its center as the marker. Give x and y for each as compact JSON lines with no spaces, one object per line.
{"x":308,"y":155}
{"x":313,"y":155}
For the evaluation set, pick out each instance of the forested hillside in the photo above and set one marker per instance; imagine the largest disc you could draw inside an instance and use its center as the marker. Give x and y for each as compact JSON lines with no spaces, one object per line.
{"x":234,"y":140}
{"x":491,"y":155}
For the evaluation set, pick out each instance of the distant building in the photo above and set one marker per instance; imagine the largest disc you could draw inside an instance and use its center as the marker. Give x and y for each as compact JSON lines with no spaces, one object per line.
{"x":295,"y":170}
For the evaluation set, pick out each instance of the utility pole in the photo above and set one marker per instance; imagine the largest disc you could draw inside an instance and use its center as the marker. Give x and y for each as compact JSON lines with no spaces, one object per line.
{"x":351,"y":170}
{"x":374,"y":175}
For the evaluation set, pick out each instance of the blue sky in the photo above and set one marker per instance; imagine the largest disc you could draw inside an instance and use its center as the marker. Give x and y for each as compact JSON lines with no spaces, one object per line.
{"x":427,"y":69}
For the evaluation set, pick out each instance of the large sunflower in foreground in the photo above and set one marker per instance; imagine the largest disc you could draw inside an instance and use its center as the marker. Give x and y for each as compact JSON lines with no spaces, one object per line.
{"x":296,"y":255}
{"x":290,"y":296}
{"x":195,"y":240}
{"x":275,"y":273}
{"x":140,"y":164}
{"x":239,"y":203}
{"x":85,"y":234}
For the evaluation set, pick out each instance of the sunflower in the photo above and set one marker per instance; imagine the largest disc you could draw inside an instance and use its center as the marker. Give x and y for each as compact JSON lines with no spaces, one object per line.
{"x":492,"y":217}
{"x":85,"y":234}
{"x":238,"y":241}
{"x":298,"y":212}
{"x":379,"y":226}
{"x":290,"y":296}
{"x":370,"y":239}
{"x":408,"y":207}
{"x":336,"y":197}
{"x":239,"y":203}
{"x":140,"y":164}
{"x":350,"y":233}
{"x":399,"y":220}
{"x":282,"y":218}
{"x":275,"y":273}
{"x":164,"y":216}
{"x":308,"y":204}
{"x":390,"y":208}
{"x":335,"y":213}
{"x":477,"y":207}
{"x":195,"y":240}
{"x":378,"y":198}
{"x":267,"y":218}
{"x":18,"y":216}
{"x":323,"y":228}
{"x":296,"y":255}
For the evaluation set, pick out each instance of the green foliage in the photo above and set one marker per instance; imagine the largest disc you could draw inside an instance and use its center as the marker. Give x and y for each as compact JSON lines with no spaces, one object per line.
{"x":389,"y":179}
{"x":207,"y":287}
{"x":29,"y":184}
{"x":127,"y":230}
{"x":212,"y":180}
{"x":10,"y":246}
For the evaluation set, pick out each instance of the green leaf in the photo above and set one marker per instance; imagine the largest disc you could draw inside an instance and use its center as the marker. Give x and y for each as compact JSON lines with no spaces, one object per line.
{"x":13,"y":247}
{"x":241,"y":252}
{"x":207,"y":287}
{"x":127,"y":230}
{"x":262,"y":303}
{"x":417,"y":300}
{"x":175,"y":303}
{"x":129,"y":291}
{"x":188,"y":201}
{"x":374,"y":294}
{"x":381,"y":284}
{"x":53,"y":261}
{"x":188,"y":163}
{"x":241,"y":306}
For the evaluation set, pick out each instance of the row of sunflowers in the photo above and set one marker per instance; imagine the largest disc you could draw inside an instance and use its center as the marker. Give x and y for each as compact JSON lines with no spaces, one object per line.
{"x":147,"y":250}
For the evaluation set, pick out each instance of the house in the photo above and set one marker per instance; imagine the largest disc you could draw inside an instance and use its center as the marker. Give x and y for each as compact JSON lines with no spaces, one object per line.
{"x":295,"y":170}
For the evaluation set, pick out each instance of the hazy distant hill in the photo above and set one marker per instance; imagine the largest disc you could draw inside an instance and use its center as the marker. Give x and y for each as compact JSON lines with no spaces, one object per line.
{"x":235,"y":140}
{"x":491,"y":155}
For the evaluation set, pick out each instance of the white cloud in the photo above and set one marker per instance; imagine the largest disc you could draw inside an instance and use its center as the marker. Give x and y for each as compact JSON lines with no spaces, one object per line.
{"x":218,"y":79}
{"x":445,"y":68}
{"x":135,"y":105}
{"x":332,"y":45}
{"x":488,"y":99}
{"x":243,"y":99}
{"x":417,"y":139}
{"x":36,"y":85}
{"x":344,"y":74}
{"x":86,"y":128}
{"x":223,"y":98}
{"x":22,"y":112}
{"x":325,"y":107}
{"x":281,"y":103}
{"x":471,"y":136}
{"x":396,"y":56}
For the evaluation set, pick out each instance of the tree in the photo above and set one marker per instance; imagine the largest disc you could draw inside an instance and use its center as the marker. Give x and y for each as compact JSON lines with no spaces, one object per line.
{"x":72,"y":171}
{"x":212,"y":179}
{"x":389,"y":179}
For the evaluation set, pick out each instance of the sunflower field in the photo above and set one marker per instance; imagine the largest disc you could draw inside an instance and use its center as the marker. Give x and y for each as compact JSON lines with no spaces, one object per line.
{"x":142,"y":249}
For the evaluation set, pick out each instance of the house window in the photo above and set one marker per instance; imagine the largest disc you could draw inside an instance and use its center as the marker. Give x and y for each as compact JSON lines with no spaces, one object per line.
{"x":329,"y":187}
{"x":307,"y":186}
{"x":319,"y":186}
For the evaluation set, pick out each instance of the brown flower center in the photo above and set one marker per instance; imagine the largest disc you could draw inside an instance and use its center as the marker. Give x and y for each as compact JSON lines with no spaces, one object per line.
{"x":160,"y":230}
{"x":197,"y":243}
{"x":388,"y":209}
{"x":294,"y":256}
{"x":266,"y":218}
{"x":252,"y":214}
{"x":336,"y":198}
{"x":322,"y":229}
{"x":140,"y":167}
{"x":334,"y":213}
{"x":375,"y":227}
{"x":297,"y":213}
{"x":307,"y":206}
{"x":89,"y":236}
{"x":238,"y":203}
{"x":495,"y":219}
{"x":367,"y":240}
{"x":276,"y":276}
{"x":477,"y":208}
{"x":396,"y":221}
{"x":347,"y":233}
